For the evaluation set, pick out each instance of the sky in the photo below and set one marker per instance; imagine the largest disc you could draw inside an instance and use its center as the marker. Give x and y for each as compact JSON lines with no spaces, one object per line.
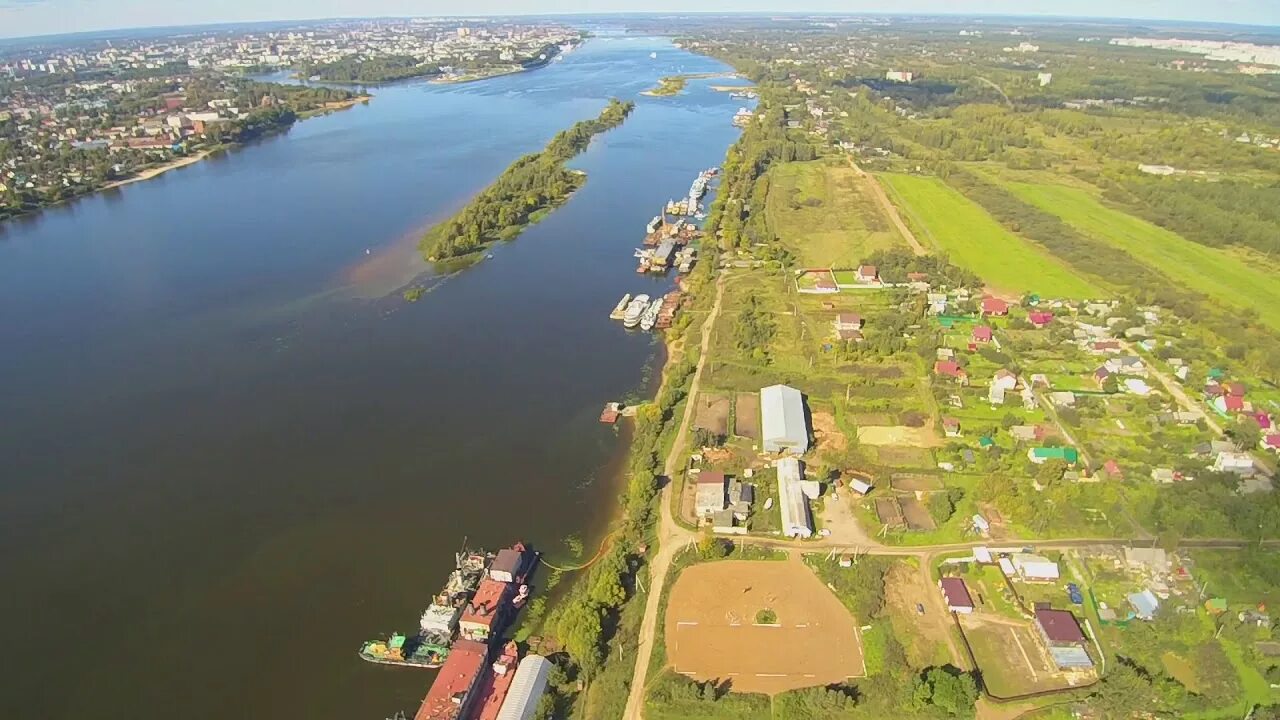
{"x":20,"y":18}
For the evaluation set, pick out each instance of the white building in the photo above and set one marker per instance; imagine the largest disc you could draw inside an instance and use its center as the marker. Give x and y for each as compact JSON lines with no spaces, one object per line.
{"x":899,"y":76}
{"x":1034,"y":568}
{"x":782,"y":420}
{"x":796,"y":520}
{"x":526,"y":689}
{"x":711,"y":493}
{"x":1234,"y":462}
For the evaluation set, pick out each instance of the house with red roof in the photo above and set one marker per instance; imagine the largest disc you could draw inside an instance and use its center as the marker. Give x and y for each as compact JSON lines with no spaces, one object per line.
{"x":868,"y":274}
{"x":994,"y":306}
{"x":1229,"y":403}
{"x":1040,"y":318}
{"x":1271,"y":442}
{"x":949,"y":368}
{"x":956,"y":595}
{"x":981,"y":334}
{"x":1112,"y":469}
{"x":1235,"y":388}
{"x":1263,"y":420}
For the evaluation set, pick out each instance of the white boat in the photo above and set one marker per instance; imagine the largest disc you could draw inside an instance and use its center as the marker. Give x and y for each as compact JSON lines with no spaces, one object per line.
{"x":620,"y":309}
{"x":635,"y":310}
{"x":653,"y":56}
{"x":650,"y":315}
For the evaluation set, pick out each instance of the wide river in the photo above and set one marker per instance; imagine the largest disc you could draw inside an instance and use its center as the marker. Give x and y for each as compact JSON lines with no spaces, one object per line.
{"x":231,"y":452}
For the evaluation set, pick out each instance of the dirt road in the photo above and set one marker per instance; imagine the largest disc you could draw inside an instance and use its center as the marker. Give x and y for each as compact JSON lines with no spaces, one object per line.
{"x":671,"y":537}
{"x":1175,"y":389}
{"x":890,"y":210}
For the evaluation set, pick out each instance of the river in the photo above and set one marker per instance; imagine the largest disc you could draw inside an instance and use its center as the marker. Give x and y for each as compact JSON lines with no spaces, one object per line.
{"x":231,"y":452}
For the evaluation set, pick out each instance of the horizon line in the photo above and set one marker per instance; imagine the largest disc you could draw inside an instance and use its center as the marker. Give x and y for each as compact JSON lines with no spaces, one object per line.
{"x":623,"y":14}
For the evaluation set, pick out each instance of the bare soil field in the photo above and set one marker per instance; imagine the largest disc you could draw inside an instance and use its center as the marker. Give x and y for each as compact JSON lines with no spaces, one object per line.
{"x":711,"y":632}
{"x":904,"y":456}
{"x":921,"y":437}
{"x":923,"y":636}
{"x":746,"y":416}
{"x":873,"y":419}
{"x":889,"y":512}
{"x":712,"y":414}
{"x":912,"y":482}
{"x":917,"y":516}
{"x":826,"y":433}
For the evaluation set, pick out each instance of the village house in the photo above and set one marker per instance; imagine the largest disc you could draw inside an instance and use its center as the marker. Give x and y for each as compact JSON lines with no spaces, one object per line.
{"x":710,"y":496}
{"x":1040,"y":318}
{"x":951,"y":427}
{"x":1226,"y":404}
{"x":1061,"y":634}
{"x":1144,"y":604}
{"x":952,"y":369}
{"x":1063,"y":398}
{"x":868,"y":274}
{"x":1034,"y":568}
{"x":1041,"y":455}
{"x":994,"y":306}
{"x":1027,"y":433}
{"x":1100,"y":347}
{"x":1271,"y":442}
{"x":1126,"y":365}
{"x":1237,"y":463}
{"x":848,"y":326}
{"x":981,"y":334}
{"x":1112,"y":470}
{"x":956,"y":595}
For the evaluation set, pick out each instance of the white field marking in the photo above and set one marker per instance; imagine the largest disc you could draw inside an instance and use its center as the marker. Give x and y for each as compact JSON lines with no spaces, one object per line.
{"x":690,"y":673}
{"x":686,"y":622}
{"x":800,"y":625}
{"x":772,"y":625}
{"x":771,"y":675}
{"x":810,"y":675}
{"x":1025,"y":657}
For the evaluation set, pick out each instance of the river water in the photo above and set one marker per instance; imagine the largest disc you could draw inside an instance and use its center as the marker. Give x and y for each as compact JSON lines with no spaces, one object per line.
{"x":231,"y":452}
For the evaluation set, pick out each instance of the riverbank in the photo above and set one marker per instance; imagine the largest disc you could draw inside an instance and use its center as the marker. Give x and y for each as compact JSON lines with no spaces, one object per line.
{"x":528,"y":190}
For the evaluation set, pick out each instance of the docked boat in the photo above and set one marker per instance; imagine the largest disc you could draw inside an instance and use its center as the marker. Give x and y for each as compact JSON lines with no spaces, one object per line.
{"x":650,"y":315}
{"x":635,"y":310}
{"x":620,"y":309}
{"x":438,"y":625}
{"x":699,"y":187}
{"x":653,"y":225}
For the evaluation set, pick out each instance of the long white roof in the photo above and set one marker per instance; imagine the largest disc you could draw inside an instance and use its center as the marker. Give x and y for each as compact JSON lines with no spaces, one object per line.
{"x":796,"y":520}
{"x":526,"y":689}
{"x":782,"y":415}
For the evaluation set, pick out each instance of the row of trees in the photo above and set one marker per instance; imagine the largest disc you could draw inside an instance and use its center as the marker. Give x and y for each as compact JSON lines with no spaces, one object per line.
{"x":534,"y":182}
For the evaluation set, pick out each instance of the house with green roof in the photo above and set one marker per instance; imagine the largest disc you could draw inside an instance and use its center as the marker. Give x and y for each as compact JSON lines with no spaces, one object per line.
{"x":1040,"y":455}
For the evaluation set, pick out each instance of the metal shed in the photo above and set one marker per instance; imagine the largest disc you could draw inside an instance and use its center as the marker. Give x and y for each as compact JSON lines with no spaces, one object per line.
{"x":782,"y":420}
{"x":526,"y":689}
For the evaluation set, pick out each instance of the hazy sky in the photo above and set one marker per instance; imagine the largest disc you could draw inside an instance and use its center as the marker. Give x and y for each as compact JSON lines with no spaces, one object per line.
{"x":40,"y":17}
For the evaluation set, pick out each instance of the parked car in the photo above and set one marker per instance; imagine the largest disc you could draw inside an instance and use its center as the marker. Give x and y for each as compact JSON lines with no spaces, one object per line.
{"x":1073,"y":591}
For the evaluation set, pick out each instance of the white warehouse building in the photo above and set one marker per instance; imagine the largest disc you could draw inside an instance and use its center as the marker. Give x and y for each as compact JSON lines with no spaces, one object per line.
{"x":782,"y":420}
{"x":792,"y":499}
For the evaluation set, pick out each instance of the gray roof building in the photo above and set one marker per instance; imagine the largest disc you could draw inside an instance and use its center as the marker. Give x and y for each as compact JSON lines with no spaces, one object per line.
{"x":782,"y":420}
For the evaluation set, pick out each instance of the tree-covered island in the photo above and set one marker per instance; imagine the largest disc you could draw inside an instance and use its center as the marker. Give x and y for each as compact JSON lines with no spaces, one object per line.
{"x":528,"y":189}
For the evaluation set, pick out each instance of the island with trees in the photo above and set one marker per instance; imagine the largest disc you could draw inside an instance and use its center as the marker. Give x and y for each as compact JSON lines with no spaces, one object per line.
{"x":525,"y":192}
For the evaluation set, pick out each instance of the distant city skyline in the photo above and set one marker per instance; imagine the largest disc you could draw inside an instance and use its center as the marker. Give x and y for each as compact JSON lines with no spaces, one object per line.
{"x":21,"y":18}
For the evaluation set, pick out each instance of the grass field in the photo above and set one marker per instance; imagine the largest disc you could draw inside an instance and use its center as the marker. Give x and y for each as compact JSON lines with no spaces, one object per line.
{"x":974,"y":240}
{"x":825,"y":215}
{"x":1218,"y":273}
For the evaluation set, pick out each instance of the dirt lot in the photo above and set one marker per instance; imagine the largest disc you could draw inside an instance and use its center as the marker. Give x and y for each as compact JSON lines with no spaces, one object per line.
{"x":889,"y":512}
{"x":923,"y":636}
{"x":897,"y":435}
{"x":1011,"y":658}
{"x":712,"y":414}
{"x":912,"y":482}
{"x":710,"y":630}
{"x":873,"y":418}
{"x":826,"y":434}
{"x":917,"y":516}
{"x":746,"y":416}
{"x":904,"y":456}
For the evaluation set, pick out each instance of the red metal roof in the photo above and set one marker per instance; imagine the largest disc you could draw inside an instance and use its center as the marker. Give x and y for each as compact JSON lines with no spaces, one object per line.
{"x":495,"y":681}
{"x":710,"y":478}
{"x":452,"y":689}
{"x":982,"y":332}
{"x":1059,"y":626}
{"x":993,"y":305}
{"x":947,"y":367}
{"x":956,"y":593}
{"x":484,"y":606}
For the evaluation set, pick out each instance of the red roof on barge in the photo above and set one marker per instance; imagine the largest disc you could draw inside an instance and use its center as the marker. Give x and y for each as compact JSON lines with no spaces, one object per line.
{"x":452,"y":694}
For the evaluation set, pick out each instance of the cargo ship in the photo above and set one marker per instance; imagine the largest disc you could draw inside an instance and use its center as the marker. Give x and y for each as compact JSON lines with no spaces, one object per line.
{"x":438,"y":625}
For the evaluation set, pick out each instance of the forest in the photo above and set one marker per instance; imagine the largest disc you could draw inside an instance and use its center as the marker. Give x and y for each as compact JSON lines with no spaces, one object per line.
{"x":368,"y":70}
{"x":534,"y":183}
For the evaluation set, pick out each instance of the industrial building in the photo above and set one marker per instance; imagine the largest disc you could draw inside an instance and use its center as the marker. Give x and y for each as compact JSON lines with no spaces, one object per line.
{"x":783,"y":420}
{"x":526,"y":689}
{"x":796,"y":520}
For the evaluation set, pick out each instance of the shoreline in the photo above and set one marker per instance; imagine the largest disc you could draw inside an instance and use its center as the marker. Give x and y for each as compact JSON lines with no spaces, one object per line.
{"x":184,"y":161}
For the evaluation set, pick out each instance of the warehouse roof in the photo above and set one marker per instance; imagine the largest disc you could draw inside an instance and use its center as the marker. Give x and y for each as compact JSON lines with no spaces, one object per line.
{"x":782,"y":414}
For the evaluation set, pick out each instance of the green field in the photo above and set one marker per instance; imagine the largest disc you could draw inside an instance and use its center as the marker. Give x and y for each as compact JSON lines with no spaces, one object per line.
{"x":974,"y":240}
{"x":824,"y":214}
{"x":1213,"y":271}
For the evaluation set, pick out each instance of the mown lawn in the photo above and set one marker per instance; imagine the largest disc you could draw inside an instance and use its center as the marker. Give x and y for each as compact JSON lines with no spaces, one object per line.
{"x":974,"y":240}
{"x":1218,"y":273}
{"x":825,"y":215}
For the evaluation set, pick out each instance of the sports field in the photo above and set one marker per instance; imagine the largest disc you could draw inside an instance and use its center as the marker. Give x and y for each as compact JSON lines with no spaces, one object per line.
{"x":975,"y":241}
{"x":826,"y":215}
{"x":712,"y":630}
{"x":1213,"y":271}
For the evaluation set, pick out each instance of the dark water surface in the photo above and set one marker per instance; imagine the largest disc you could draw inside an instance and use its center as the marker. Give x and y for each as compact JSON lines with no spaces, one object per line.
{"x":225,"y":461}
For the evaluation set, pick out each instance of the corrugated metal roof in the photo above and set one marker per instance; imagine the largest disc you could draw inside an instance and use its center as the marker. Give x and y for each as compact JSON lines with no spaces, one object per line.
{"x":782,"y":419}
{"x":526,"y":689}
{"x":1070,"y":657}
